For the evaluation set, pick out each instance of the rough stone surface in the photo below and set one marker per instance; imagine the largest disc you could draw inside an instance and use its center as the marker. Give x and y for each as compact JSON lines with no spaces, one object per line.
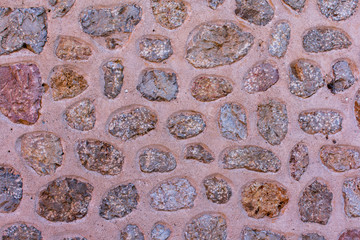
{"x":232,"y":122}
{"x":131,"y":123}
{"x":315,"y":203}
{"x":272,"y":121}
{"x":160,"y":231}
{"x":131,"y":232}
{"x":296,"y":5}
{"x":324,"y":39}
{"x":22,"y":28}
{"x":81,"y":115}
{"x":299,"y":160}
{"x":217,"y":189}
{"x":198,"y":152}
{"x":340,"y":158}
{"x":20,"y":92}
{"x":172,"y":195}
{"x":66,"y":82}
{"x":11,"y":189}
{"x":258,"y":12}
{"x":99,"y":156}
{"x":75,"y":238}
{"x":169,"y":14}
{"x":343,"y":77}
{"x":155,"y":48}
{"x":185,"y":124}
{"x":206,"y":227}
{"x":119,"y":202}
{"x":305,"y":78}
{"x":260,"y":78}
{"x":251,"y":158}
{"x":61,"y":7}
{"x":113,"y":78}
{"x":42,"y":151}
{"x":21,"y":231}
{"x":216,"y":44}
{"x":65,"y":200}
{"x":214,"y":4}
{"x":351,"y":194}
{"x":320,"y":121}
{"x":279,"y":40}
{"x":158,"y":85}
{"x":207,"y":88}
{"x":154,"y":159}
{"x":337,"y":10}
{"x":311,"y":236}
{"x":258,"y":234}
{"x":351,"y":234}
{"x":357,"y":107}
{"x":72,"y":49}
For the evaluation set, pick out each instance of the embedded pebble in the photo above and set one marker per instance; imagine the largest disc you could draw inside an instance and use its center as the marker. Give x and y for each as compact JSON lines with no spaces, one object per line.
{"x":155,"y":48}
{"x":158,"y":85}
{"x":260,"y":78}
{"x":207,"y":88}
{"x":154,"y":159}
{"x":320,"y":121}
{"x":71,"y":48}
{"x":258,"y":12}
{"x":279,"y":41}
{"x":260,"y":234}
{"x":198,"y":152}
{"x":337,"y":10}
{"x":232,"y":122}
{"x":160,"y":232}
{"x":169,"y":14}
{"x":315,"y":203}
{"x":99,"y":156}
{"x":340,"y":158}
{"x":296,"y":5}
{"x":343,"y":77}
{"x":206,"y":227}
{"x":11,"y":189}
{"x":217,"y":189}
{"x":351,"y":194}
{"x":119,"y":202}
{"x":131,"y":232}
{"x":251,"y":158}
{"x":311,"y":236}
{"x":216,"y":44}
{"x":42,"y":151}
{"x":172,"y":195}
{"x":21,"y":231}
{"x":357,"y":107}
{"x":61,"y":7}
{"x":185,"y":124}
{"x":65,"y":200}
{"x":214,"y":4}
{"x":262,"y":198}
{"x":113,"y":78}
{"x":351,"y":234}
{"x":75,"y":238}
{"x":81,"y":115}
{"x":299,"y":160}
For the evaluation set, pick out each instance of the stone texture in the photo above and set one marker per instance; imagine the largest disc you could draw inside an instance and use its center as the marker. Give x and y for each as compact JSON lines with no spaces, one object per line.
{"x":185,"y":124}
{"x":42,"y":151}
{"x":11,"y":189}
{"x":113,"y":71}
{"x":272,"y":121}
{"x":251,"y":158}
{"x":22,"y":28}
{"x":337,"y":10}
{"x":20,"y":92}
{"x":357,"y":107}
{"x":232,"y":122}
{"x":81,"y":115}
{"x":156,"y":159}
{"x":198,"y":152}
{"x":119,"y":202}
{"x":351,"y":194}
{"x":207,"y":88}
{"x":260,"y":77}
{"x":66,"y":82}
{"x":61,"y":7}
{"x":351,"y":234}
{"x":258,"y":12}
{"x":21,"y":231}
{"x":214,"y":4}
{"x":324,"y":39}
{"x":305,"y":78}
{"x":65,"y":200}
{"x":216,"y":44}
{"x":160,"y":231}
{"x":131,"y":232}
{"x":132,"y":122}
{"x":154,"y":48}
{"x":296,"y":5}
{"x":172,"y":195}
{"x":311,"y":236}
{"x":342,"y":76}
{"x":72,"y":49}
{"x":169,"y":14}
{"x":320,"y":121}
{"x":258,"y":234}
{"x":315,"y":203}
{"x":340,"y":158}
{"x":158,"y":85}
{"x":206,"y":227}
{"x":75,"y":238}
{"x":299,"y":160}
{"x":279,"y":40}
{"x":99,"y":156}
{"x":217,"y":189}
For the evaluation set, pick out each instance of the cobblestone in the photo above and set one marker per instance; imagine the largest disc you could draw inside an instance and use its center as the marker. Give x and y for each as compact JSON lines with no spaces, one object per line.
{"x":186,"y":124}
{"x":11,"y":189}
{"x":260,"y":78}
{"x":170,"y":14}
{"x":21,"y":231}
{"x":206,"y":227}
{"x":207,"y":88}
{"x":232,"y":122}
{"x":155,"y":159}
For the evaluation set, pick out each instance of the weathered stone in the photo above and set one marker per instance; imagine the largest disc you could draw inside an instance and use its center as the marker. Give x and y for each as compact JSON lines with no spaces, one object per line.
{"x":351,"y":234}
{"x":65,"y":200}
{"x":337,"y":10}
{"x":305,"y":78}
{"x":206,"y":227}
{"x":214,"y":4}
{"x":158,"y":85}
{"x":320,"y":121}
{"x":351,"y":194}
{"x":216,"y":44}
{"x":296,"y":5}
{"x":20,"y":92}
{"x":172,"y":195}
{"x":217,"y":189}
{"x":340,"y":158}
{"x":343,"y":77}
{"x":299,"y":160}
{"x":119,"y":202}
{"x":81,"y":115}
{"x":198,"y":152}
{"x":131,"y":232}
{"x":11,"y":189}
{"x":113,"y":78}
{"x":42,"y":151}
{"x":169,"y":14}
{"x":232,"y":122}
{"x":323,"y":39}
{"x":263,"y":198}
{"x":99,"y":156}
{"x":61,"y":7}
{"x":260,"y":78}
{"x":132,"y":122}
{"x":279,"y":41}
{"x":311,"y":236}
{"x":66,"y":82}
{"x":71,"y":48}
{"x":315,"y":203}
{"x":160,"y":232}
{"x":185,"y":124}
{"x":155,"y":48}
{"x":21,"y":231}
{"x":156,"y":159}
{"x":22,"y":28}
{"x":258,"y":12}
{"x":357,"y":107}
{"x":74,"y":238}
{"x":251,"y":158}
{"x":260,"y":234}
{"x":272,"y":121}
{"x":207,"y":88}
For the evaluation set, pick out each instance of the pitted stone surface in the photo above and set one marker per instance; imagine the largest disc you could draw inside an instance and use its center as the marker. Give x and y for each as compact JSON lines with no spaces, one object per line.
{"x":214,"y":4}
{"x":258,"y":12}
{"x":320,"y":121}
{"x":11,"y":189}
{"x":312,"y":236}
{"x":279,"y":41}
{"x":81,"y":115}
{"x":260,"y":78}
{"x":131,"y":232}
{"x":61,"y":7}
{"x":113,"y":78}
{"x":199,"y":152}
{"x":340,"y":158}
{"x":259,"y":234}
{"x":185,"y":124}
{"x":296,"y":5}
{"x":217,"y":189}
{"x":351,"y":234}
{"x":207,"y":88}
{"x":343,"y":77}
{"x":351,"y":194}
{"x":170,"y":14}
{"x":71,"y":49}
{"x":160,"y":231}
{"x":156,"y":159}
{"x":337,"y":10}
{"x":155,"y":48}
{"x":206,"y":227}
{"x":75,"y":238}
{"x":232,"y":122}
{"x":299,"y":160}
{"x":21,"y":231}
{"x":357,"y":107}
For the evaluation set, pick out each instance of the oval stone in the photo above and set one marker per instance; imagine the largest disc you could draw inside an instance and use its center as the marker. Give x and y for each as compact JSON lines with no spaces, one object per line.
{"x":340,"y":158}
{"x":206,"y":226}
{"x":156,"y":159}
{"x":320,"y":121}
{"x":186,"y":124}
{"x":207,"y":88}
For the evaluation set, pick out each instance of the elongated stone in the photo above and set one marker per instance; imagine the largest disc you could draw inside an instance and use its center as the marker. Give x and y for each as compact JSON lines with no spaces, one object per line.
{"x":337,"y":10}
{"x":186,"y":124}
{"x":299,"y":160}
{"x":113,"y":78}
{"x":320,"y":121}
{"x":61,"y":7}
{"x":71,"y":48}
{"x":206,"y":227}
{"x":258,"y":12}
{"x":207,"y":88}
{"x":156,"y":159}
{"x":279,"y":41}
{"x":351,"y":194}
{"x":340,"y":158}
{"x":260,"y":234}
{"x":11,"y":189}
{"x":232,"y":122}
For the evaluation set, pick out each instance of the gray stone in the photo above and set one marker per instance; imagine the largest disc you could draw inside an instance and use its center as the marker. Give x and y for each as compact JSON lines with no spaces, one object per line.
{"x":61,"y":7}
{"x":311,"y":236}
{"x":258,"y":12}
{"x":214,"y":4}
{"x":160,"y":232}
{"x":337,"y":10}
{"x":296,"y":5}
{"x":155,"y":48}
{"x":320,"y":121}
{"x":198,"y":152}
{"x":299,"y":160}
{"x":279,"y":40}
{"x":131,"y":232}
{"x":351,"y":194}
{"x":232,"y":122}
{"x":185,"y":124}
{"x":11,"y":189}
{"x":169,"y":14}
{"x":342,"y":77}
{"x":260,"y":234}
{"x":206,"y":227}
{"x":21,"y":231}
{"x":113,"y":78}
{"x":81,"y":115}
{"x":155,"y":159}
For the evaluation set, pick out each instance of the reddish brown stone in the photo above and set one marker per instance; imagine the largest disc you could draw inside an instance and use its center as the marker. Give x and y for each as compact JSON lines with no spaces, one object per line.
{"x":258,"y":12}
{"x":340,"y":158}
{"x":198,"y":152}
{"x":357,"y":107}
{"x":207,"y":88}
{"x":186,"y":124}
{"x":217,"y":189}
{"x":299,"y":160}
{"x":71,"y":48}
{"x":352,"y":234}
{"x":260,"y":78}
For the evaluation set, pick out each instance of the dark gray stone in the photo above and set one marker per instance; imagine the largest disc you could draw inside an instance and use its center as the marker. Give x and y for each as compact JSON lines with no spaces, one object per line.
{"x":258,"y":12}
{"x":342,"y":77}
{"x":155,"y":159}
{"x":113,"y":78}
